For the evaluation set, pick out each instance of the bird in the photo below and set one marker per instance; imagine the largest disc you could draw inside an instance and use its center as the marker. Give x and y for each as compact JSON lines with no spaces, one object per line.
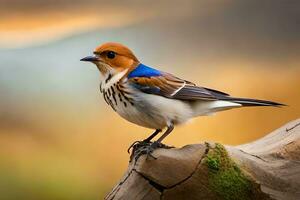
{"x":153,"y":98}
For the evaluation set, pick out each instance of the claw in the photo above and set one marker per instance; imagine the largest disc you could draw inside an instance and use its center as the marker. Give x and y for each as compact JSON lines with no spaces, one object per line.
{"x":148,"y":150}
{"x":137,"y":145}
{"x":140,"y":148}
{"x":132,"y":145}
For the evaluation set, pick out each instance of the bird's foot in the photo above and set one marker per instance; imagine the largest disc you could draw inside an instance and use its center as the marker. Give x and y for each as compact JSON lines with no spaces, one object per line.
{"x":137,"y":144}
{"x":146,"y":148}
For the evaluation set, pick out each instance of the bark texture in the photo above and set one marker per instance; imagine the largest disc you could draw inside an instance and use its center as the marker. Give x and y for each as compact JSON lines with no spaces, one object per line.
{"x":268,"y":168}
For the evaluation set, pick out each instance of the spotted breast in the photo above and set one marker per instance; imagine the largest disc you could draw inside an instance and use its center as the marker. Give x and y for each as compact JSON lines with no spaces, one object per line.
{"x":116,"y":96}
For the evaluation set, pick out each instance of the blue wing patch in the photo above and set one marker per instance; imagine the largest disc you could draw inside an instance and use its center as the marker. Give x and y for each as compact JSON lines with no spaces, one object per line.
{"x":144,"y":71}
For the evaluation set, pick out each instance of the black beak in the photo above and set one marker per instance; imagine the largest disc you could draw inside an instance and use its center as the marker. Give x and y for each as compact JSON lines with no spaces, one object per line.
{"x":90,"y":59}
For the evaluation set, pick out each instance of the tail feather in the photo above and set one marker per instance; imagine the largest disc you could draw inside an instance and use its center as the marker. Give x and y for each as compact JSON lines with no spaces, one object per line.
{"x":254,"y":102}
{"x":243,"y":101}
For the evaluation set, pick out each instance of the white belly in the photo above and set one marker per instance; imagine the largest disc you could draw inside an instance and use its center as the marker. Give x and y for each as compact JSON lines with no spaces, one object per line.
{"x":156,"y":112}
{"x":147,"y":110}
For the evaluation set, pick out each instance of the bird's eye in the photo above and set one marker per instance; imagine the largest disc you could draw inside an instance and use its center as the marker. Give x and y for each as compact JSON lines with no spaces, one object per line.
{"x":111,"y":54}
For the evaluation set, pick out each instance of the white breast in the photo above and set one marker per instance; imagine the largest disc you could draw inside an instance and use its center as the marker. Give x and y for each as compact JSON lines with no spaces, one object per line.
{"x":143,"y":109}
{"x":112,"y":94}
{"x":147,"y":110}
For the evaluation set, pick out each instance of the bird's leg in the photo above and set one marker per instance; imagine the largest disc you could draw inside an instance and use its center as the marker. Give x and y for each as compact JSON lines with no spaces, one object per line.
{"x":168,"y":131}
{"x":157,"y":144}
{"x":148,"y":139}
{"x":145,"y":141}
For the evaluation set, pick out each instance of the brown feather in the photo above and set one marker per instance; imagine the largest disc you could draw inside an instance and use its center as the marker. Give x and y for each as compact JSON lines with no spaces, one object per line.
{"x":172,"y":87}
{"x":124,"y":58}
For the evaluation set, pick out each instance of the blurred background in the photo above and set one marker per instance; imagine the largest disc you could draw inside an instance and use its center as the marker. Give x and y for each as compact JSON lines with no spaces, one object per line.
{"x":58,"y":138}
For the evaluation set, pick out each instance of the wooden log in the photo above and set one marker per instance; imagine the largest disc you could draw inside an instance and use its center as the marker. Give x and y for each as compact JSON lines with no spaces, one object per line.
{"x":268,"y":168}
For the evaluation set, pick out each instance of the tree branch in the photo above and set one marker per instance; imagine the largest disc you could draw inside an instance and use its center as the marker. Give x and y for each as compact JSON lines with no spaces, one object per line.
{"x":268,"y":168}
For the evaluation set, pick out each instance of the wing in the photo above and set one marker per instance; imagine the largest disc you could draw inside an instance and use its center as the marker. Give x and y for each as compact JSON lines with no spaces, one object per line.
{"x":170,"y":86}
{"x":153,"y":81}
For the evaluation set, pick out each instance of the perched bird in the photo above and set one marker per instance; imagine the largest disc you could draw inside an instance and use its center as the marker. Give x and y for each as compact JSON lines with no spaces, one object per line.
{"x":154,"y":99}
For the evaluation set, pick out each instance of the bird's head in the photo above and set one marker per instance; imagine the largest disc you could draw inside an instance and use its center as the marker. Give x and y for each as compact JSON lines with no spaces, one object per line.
{"x":112,"y":58}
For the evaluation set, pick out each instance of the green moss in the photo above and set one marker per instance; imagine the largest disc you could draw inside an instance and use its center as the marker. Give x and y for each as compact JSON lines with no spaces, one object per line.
{"x":225,"y":177}
{"x":213,"y":162}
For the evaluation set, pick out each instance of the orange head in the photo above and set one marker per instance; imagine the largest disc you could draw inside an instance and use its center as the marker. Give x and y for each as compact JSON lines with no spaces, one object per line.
{"x":112,"y":57}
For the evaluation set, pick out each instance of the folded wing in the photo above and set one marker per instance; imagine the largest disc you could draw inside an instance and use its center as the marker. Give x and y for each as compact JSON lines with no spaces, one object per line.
{"x":170,"y":86}
{"x":153,"y":81}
